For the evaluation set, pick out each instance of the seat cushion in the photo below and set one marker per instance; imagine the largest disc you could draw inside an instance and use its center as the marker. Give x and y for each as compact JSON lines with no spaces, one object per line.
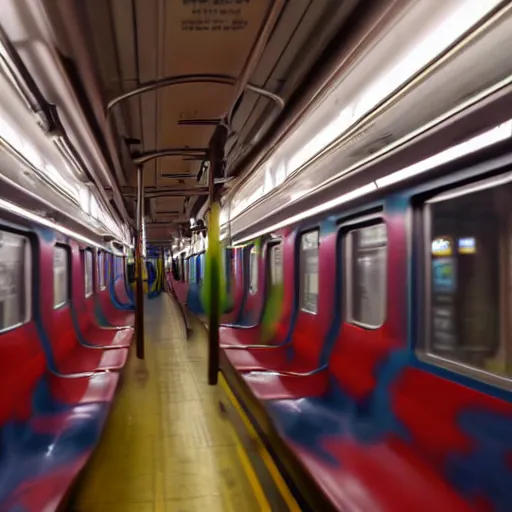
{"x":272,"y":386}
{"x":81,"y":359}
{"x":271,"y":358}
{"x":120,"y":318}
{"x":233,"y":336}
{"x":386,"y":476}
{"x":39,"y":459}
{"x":96,"y":336}
{"x":100,"y":387}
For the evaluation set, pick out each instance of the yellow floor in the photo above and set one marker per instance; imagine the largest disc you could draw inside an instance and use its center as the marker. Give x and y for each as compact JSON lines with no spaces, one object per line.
{"x":166,"y":447}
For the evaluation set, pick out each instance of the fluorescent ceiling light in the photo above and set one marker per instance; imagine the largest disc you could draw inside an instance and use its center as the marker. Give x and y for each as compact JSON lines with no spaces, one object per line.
{"x":488,"y":138}
{"x":497,"y":134}
{"x":26,"y":214}
{"x":426,"y":34}
{"x":358,"y":192}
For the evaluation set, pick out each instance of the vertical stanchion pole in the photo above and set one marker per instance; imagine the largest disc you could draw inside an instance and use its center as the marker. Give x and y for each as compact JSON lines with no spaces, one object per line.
{"x":139,"y":285}
{"x":216,"y":156}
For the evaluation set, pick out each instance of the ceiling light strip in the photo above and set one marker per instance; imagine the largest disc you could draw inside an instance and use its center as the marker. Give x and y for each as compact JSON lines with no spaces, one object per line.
{"x":26,"y":214}
{"x":486,"y":139}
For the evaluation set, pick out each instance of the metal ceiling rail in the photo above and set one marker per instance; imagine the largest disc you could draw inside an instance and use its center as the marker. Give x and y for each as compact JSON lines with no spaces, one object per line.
{"x":146,"y":156}
{"x":200,"y":122}
{"x":169,"y":192}
{"x":177,"y":176}
{"x":242,"y":82}
{"x":170,"y":81}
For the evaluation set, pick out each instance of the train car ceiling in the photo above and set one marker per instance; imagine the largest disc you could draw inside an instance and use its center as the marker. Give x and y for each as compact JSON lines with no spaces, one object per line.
{"x":85,"y":54}
{"x":385,"y":59}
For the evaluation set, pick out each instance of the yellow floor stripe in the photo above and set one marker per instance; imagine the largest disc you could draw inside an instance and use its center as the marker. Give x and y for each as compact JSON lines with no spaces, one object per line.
{"x":267,"y":459}
{"x":253,"y":479}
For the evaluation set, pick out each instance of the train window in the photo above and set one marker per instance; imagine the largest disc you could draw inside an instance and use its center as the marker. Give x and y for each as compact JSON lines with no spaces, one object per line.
{"x":119,"y":267}
{"x":365,"y":266}
{"x":276,"y":264}
{"x":468,"y":252}
{"x":60,"y":276}
{"x":192,"y":269}
{"x":14,"y":279}
{"x":228,"y":265}
{"x":253,"y":270}
{"x":101,"y":269}
{"x":199,"y":270}
{"x":309,"y":271}
{"x":88,"y":272}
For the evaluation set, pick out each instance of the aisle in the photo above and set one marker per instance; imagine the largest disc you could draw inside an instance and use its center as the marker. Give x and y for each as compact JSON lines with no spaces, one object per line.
{"x":165,"y":447}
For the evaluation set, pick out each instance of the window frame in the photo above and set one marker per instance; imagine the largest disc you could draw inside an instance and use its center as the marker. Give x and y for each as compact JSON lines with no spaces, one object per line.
{"x":86,"y":251}
{"x":67,"y":251}
{"x":100,"y":270}
{"x":301,"y":234}
{"x":346,"y":228}
{"x":253,"y":257}
{"x":29,"y":276}
{"x":199,"y":268}
{"x":192,"y":269}
{"x":422,"y":234}
{"x":228,"y":266}
{"x":271,"y":245}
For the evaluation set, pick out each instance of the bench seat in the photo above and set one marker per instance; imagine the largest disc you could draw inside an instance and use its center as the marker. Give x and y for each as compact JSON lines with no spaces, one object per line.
{"x":279,"y":359}
{"x":96,"y":337}
{"x":42,"y":456}
{"x":81,"y":359}
{"x":266,"y":385}
{"x":70,"y":353}
{"x":386,"y":476}
{"x":230,"y":336}
{"x":108,"y":315}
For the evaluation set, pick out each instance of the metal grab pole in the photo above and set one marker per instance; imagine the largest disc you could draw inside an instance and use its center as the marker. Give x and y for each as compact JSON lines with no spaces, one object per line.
{"x":139,"y":285}
{"x":216,"y":153}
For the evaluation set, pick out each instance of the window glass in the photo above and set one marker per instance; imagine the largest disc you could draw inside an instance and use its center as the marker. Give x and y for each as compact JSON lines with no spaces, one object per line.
{"x":200,"y":263}
{"x":253,"y":270}
{"x":14,"y":279}
{"x":469,"y":277}
{"x":276,"y":264}
{"x":119,"y":266}
{"x":309,"y":271}
{"x":366,"y":254}
{"x":60,"y":276}
{"x":101,"y":269}
{"x":228,"y":266}
{"x":88,"y":269}
{"x":108,"y":265}
{"x":192,"y":269}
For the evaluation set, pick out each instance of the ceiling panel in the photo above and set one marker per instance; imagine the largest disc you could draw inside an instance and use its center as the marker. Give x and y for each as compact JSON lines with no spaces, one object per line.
{"x":138,"y":41}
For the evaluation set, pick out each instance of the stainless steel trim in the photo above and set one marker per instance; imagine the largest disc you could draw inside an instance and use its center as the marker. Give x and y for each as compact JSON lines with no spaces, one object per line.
{"x":290,"y":374}
{"x":80,"y":375}
{"x":492,"y":379}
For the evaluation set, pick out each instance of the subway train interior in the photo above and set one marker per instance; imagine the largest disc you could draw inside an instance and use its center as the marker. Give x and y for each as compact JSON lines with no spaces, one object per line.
{"x":255,"y":255}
